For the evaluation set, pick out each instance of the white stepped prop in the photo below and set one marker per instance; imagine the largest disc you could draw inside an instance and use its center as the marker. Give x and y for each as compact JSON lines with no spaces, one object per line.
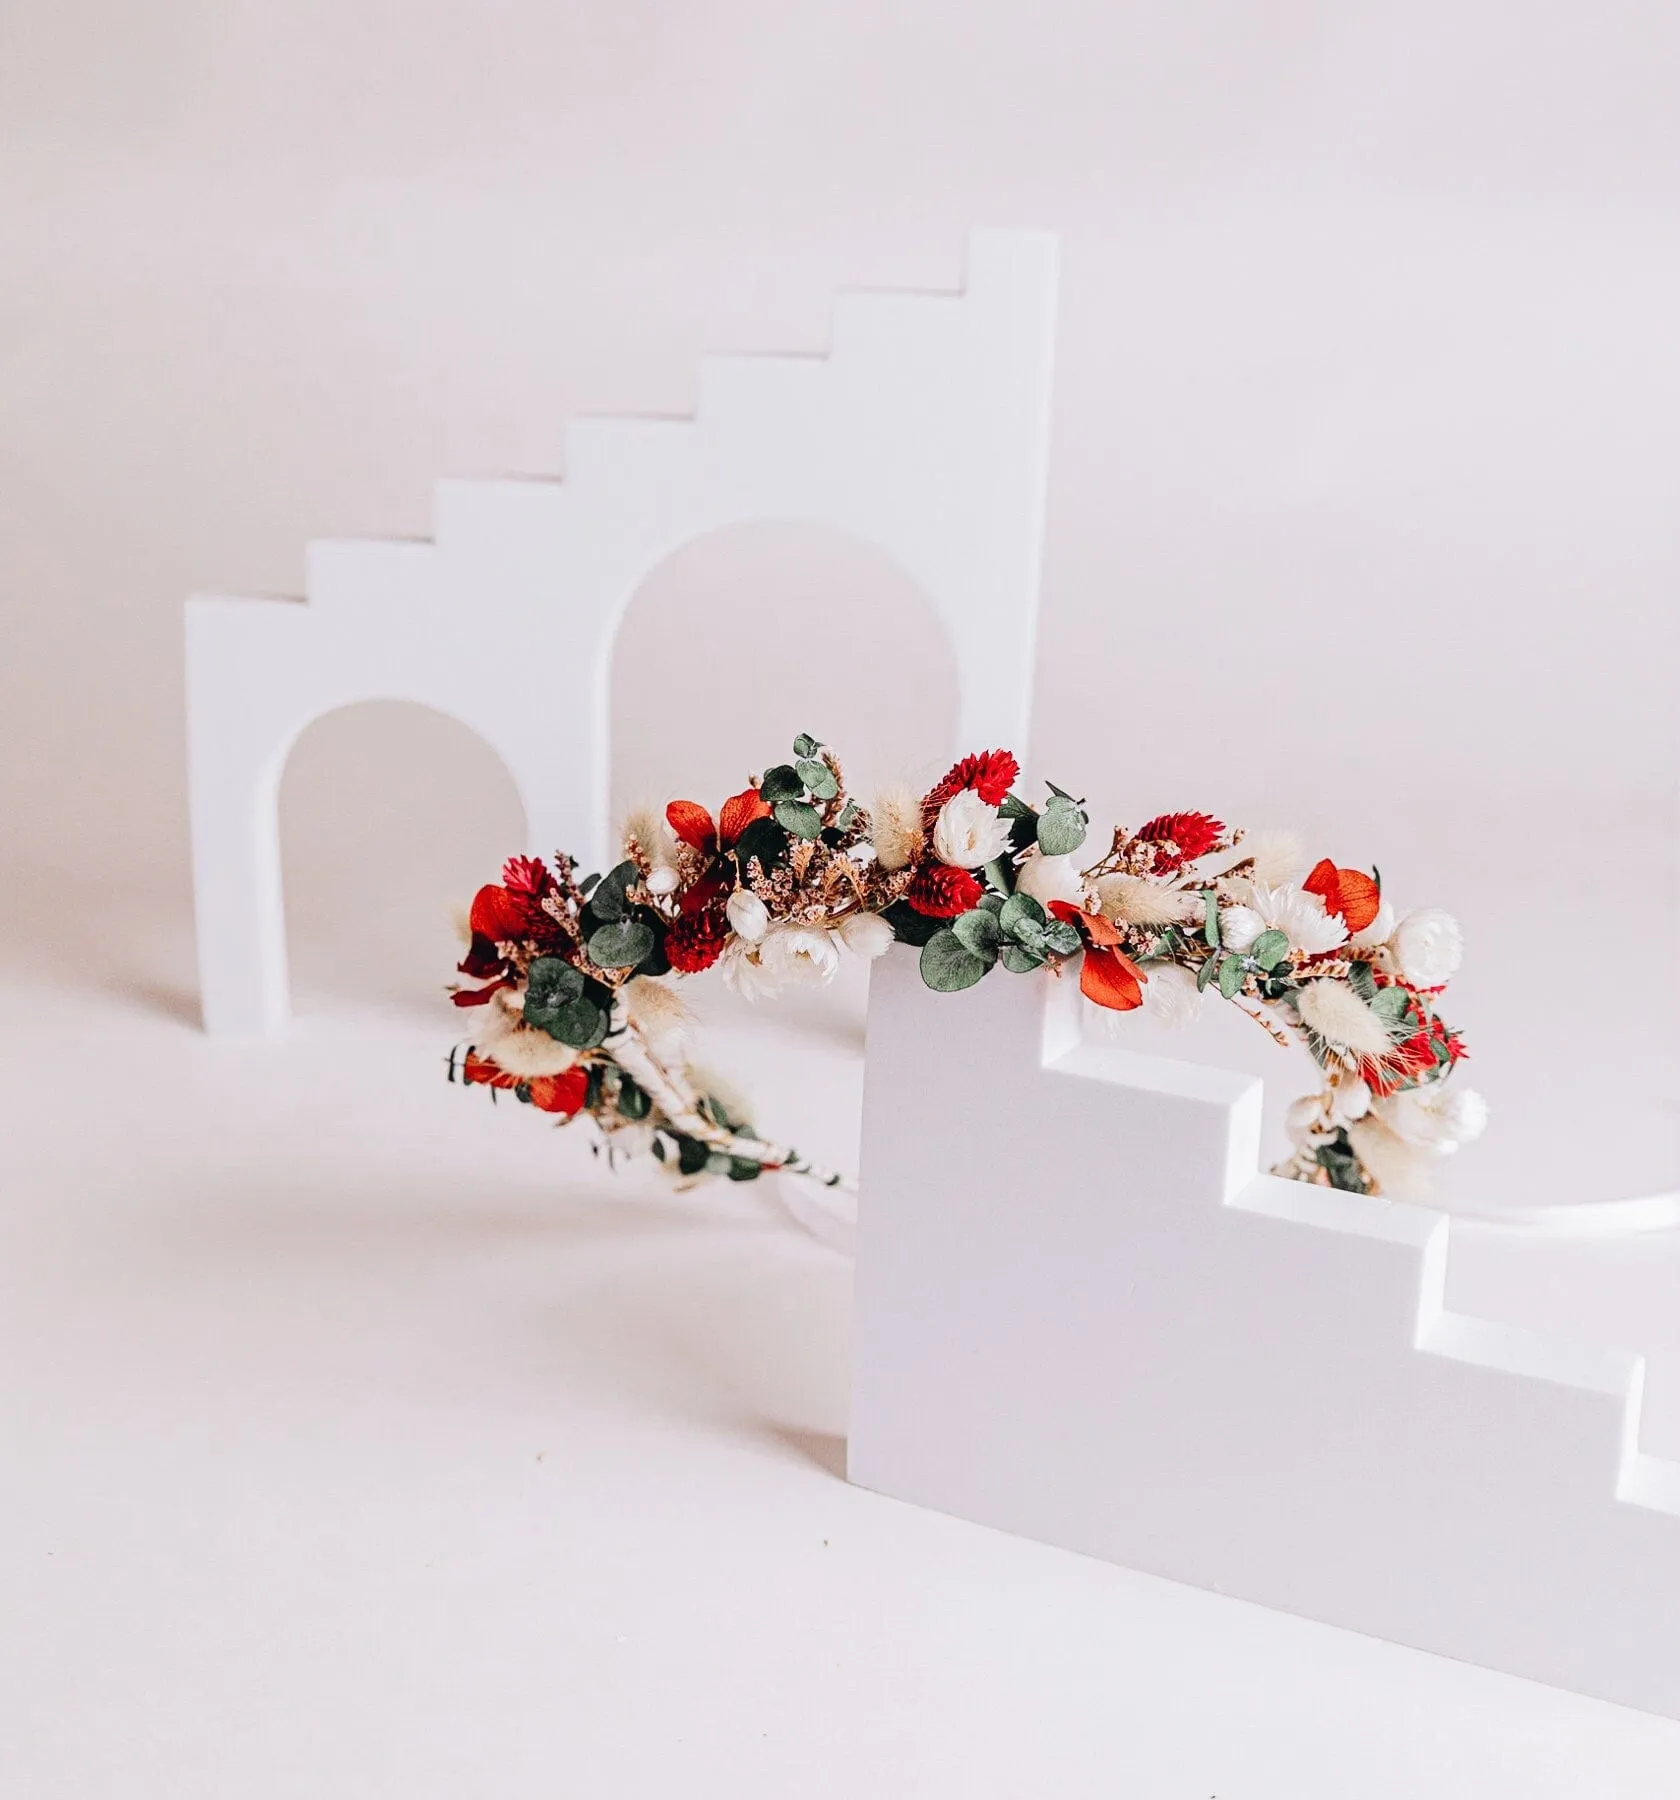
{"x":924,"y":432}
{"x":1083,"y":1316}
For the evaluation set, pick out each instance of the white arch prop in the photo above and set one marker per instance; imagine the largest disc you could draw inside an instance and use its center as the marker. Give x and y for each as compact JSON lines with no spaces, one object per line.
{"x":925,"y":431}
{"x":1121,"y":1338}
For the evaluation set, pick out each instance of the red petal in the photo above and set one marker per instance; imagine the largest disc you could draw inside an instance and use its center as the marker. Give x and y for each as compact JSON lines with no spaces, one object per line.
{"x":692,"y":823}
{"x":498,"y":915}
{"x":564,"y":1093}
{"x":738,"y":812}
{"x":1093,"y":927}
{"x":1112,"y":980}
{"x":701,"y":895}
{"x":1354,"y":898}
{"x":480,"y":1071}
{"x":479,"y":996}
{"x":481,"y":961}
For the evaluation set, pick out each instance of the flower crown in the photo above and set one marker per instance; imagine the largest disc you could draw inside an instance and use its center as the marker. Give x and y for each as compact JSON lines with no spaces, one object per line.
{"x":578,"y":1014}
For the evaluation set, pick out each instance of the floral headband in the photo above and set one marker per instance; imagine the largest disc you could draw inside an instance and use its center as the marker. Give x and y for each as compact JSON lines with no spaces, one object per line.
{"x":578,"y":1013}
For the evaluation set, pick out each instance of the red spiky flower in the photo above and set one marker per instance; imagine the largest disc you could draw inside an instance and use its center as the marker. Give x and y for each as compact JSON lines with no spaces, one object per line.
{"x":991,"y":774}
{"x":1190,"y":834}
{"x":941,"y":892}
{"x":696,"y":941}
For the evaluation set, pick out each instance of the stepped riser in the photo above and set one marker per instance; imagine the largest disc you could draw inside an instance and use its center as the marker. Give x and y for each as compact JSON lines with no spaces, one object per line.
{"x":1069,"y":1327}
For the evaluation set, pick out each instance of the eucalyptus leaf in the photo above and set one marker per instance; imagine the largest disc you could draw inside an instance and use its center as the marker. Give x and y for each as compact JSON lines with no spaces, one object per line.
{"x":1061,"y":828}
{"x":848,"y":815}
{"x":1019,"y":960}
{"x":1061,"y":937}
{"x":948,"y":965}
{"x":798,"y":819}
{"x":745,"y":1168}
{"x":805,"y":745}
{"x":993,"y":902}
{"x":691,"y":1155}
{"x":1011,"y":808}
{"x":1390,"y":1004}
{"x":607,"y":901}
{"x":634,"y":1101}
{"x":978,"y":931}
{"x":1210,"y":924}
{"x":620,"y":945}
{"x":999,"y":875}
{"x":781,"y":783}
{"x":1231,"y":977}
{"x":580,"y":1023}
{"x":819,"y":778}
{"x":1206,"y":973}
{"x":763,"y":841}
{"x":1363,"y":982}
{"x":550,"y":981}
{"x":1269,"y":949}
{"x":1019,"y":908}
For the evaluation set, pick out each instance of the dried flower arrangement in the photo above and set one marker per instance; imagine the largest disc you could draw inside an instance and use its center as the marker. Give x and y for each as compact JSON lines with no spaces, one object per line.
{"x":578,"y":1014}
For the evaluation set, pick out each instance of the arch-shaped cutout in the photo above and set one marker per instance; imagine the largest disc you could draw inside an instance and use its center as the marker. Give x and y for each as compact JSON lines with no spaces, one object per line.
{"x":391,"y":813}
{"x":753,"y":633}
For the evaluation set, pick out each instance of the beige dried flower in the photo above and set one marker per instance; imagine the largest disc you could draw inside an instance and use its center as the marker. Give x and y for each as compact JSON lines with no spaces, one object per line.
{"x":1131,"y":900}
{"x":501,"y":1034}
{"x":1277,"y":857}
{"x":897,"y":818}
{"x":1341,"y":1018}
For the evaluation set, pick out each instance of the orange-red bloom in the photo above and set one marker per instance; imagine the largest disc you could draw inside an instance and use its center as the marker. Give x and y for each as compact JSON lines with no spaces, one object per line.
{"x":738,"y":812}
{"x":693,"y":824}
{"x":1108,"y":975}
{"x":1354,"y":898}
{"x":564,"y":1093}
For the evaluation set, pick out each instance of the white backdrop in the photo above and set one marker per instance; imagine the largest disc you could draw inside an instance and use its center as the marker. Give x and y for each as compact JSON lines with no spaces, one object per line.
{"x":1366,"y":443}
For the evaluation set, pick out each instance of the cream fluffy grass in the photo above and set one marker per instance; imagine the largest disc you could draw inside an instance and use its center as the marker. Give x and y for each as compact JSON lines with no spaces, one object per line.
{"x":1340,"y":1017}
{"x":897,"y":821}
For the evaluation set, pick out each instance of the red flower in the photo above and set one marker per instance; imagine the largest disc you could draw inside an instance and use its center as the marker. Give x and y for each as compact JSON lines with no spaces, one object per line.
{"x":481,"y":996}
{"x":564,"y":1093}
{"x":528,"y":878}
{"x":991,"y":774}
{"x":941,"y":892}
{"x":738,"y":812}
{"x":480,"y":1071}
{"x":693,"y":824}
{"x":696,"y":941}
{"x":1108,"y":975}
{"x":1191,"y":834}
{"x":1111,"y":979}
{"x":1352,"y":897}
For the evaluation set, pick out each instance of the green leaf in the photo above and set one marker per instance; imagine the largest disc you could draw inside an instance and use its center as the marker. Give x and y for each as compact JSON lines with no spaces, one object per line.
{"x":550,"y":981}
{"x":1011,"y":808}
{"x":1269,"y":949}
{"x":634,"y":1101}
{"x":557,"y":1001}
{"x":580,"y":1023}
{"x":848,"y":816}
{"x":1206,"y":973}
{"x":1061,"y":828}
{"x":1019,"y":909}
{"x":909,"y":926}
{"x":691,"y":1155}
{"x":607,"y":902}
{"x":1059,"y":793}
{"x":948,"y":965}
{"x":1363,"y":982}
{"x":763,"y":840}
{"x":1210,"y":924}
{"x":1231,"y":977}
{"x":993,"y":902}
{"x":1061,"y":937}
{"x":819,"y":778}
{"x":1019,"y":960}
{"x":781,"y":783}
{"x":978,"y":931}
{"x":1390,"y":1004}
{"x":745,"y":1168}
{"x":798,"y":819}
{"x":805,"y":745}
{"x":1000,"y":875}
{"x":620,"y":945}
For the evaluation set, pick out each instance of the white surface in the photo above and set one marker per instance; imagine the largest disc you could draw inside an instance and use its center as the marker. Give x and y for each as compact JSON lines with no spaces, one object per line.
{"x":925,"y":431}
{"x":1084,"y":1315}
{"x":364,"y":1440}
